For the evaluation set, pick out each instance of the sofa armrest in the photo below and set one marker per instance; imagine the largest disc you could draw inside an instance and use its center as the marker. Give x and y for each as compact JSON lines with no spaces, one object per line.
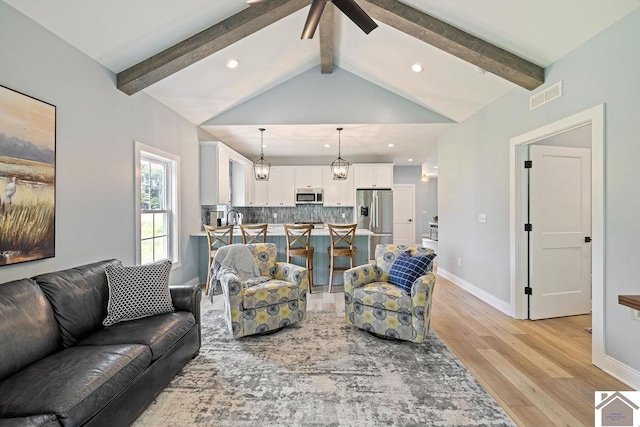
{"x":291,"y":273}
{"x":187,"y":298}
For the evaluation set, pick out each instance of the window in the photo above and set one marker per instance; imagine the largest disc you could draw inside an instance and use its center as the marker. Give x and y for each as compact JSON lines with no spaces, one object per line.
{"x":157,"y":205}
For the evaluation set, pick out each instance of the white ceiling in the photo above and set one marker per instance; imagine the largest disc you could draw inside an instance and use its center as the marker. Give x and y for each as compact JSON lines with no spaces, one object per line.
{"x":120,"y":33}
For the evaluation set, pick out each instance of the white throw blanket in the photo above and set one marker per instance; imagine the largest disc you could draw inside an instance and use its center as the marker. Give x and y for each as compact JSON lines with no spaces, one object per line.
{"x":236,"y":259}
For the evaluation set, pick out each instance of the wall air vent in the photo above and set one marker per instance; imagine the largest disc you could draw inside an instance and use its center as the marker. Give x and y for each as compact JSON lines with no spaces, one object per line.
{"x":549,"y":94}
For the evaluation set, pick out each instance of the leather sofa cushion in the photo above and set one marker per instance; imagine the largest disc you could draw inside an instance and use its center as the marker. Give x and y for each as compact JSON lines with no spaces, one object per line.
{"x":41,"y":420}
{"x":73,"y":383}
{"x":269,"y":293}
{"x":383,"y":295}
{"x":28,"y":330}
{"x":159,"y":332}
{"x":79,"y":298}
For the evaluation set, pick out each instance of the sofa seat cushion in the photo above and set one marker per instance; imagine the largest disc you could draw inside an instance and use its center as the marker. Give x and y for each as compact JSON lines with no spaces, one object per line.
{"x":268,"y":293}
{"x":159,"y":333}
{"x":73,"y":383}
{"x":382,"y":295}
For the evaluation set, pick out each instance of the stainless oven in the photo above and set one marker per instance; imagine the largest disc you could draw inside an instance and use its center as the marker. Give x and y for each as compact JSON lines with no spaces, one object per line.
{"x":309,"y":196}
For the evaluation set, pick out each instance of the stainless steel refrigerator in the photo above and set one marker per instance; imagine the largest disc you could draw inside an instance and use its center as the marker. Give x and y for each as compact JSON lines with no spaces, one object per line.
{"x":374,"y":210}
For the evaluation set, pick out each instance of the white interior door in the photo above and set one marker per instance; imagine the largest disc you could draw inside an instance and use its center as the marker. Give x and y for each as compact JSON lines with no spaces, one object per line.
{"x":560,"y":215}
{"x":404,"y":229}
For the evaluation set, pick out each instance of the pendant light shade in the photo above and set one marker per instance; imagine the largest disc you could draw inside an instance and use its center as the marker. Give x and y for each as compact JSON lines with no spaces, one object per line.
{"x":261,"y":167}
{"x":339,"y":167}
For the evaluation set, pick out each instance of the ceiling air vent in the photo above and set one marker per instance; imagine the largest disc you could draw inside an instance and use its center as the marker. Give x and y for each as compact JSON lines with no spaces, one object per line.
{"x":549,"y":94}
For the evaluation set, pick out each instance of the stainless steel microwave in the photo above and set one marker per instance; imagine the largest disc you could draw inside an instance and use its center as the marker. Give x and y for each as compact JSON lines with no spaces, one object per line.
{"x":309,"y":196}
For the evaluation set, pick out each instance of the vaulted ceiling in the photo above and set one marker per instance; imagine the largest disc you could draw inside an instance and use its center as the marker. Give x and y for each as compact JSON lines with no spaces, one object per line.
{"x":278,"y":84}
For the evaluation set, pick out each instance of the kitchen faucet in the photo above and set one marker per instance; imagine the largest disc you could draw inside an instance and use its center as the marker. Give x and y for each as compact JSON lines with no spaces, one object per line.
{"x":235,"y":219}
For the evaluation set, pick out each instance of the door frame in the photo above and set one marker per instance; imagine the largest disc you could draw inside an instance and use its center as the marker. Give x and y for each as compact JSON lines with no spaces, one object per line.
{"x":412,"y":187}
{"x":517,"y":217}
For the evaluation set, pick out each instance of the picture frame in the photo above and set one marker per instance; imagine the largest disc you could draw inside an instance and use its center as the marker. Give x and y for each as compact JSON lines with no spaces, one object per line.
{"x":27,"y":178}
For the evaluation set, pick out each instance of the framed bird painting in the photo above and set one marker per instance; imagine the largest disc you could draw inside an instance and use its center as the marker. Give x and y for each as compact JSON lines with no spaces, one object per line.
{"x":27,"y":178}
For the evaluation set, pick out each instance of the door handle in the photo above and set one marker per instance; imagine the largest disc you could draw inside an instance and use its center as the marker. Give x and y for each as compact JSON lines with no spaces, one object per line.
{"x":410,"y":220}
{"x":587,"y":239}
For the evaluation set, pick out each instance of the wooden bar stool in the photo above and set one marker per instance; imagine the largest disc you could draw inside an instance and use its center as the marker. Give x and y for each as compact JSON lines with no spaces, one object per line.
{"x":216,"y":237}
{"x":299,"y":245}
{"x":256,"y":233}
{"x":343,"y":239}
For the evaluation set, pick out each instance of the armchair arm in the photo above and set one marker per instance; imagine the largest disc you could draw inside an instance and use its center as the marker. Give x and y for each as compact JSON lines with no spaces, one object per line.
{"x":291,"y":273}
{"x":422,"y":290}
{"x":360,"y":276}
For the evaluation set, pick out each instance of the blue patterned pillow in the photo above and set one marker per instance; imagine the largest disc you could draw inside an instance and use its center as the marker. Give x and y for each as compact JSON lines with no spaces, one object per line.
{"x":406,"y":269}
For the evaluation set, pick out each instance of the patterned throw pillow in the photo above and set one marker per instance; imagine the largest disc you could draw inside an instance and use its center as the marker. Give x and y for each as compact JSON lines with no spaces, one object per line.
{"x":138,"y":291}
{"x":406,"y":269}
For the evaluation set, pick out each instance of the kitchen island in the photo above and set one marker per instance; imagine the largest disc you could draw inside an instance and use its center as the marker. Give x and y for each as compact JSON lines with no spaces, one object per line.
{"x":319,"y":240}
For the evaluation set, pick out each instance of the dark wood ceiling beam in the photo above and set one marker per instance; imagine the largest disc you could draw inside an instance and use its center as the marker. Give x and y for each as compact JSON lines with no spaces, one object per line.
{"x":327,"y":36}
{"x":205,"y":43}
{"x":455,"y":42}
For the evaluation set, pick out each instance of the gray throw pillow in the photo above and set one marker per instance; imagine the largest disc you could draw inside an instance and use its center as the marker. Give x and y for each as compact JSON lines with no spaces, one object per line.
{"x":138,"y":291}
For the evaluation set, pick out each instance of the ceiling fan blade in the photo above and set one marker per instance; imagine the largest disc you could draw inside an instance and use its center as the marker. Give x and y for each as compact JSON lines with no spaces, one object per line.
{"x":256,"y":1}
{"x":356,"y":14}
{"x":315,"y":13}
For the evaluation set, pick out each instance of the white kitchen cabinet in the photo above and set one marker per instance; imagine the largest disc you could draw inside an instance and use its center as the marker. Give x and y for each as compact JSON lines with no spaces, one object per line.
{"x":249,"y":185}
{"x":338,"y":192}
{"x":261,"y":193}
{"x":215,"y":186}
{"x":308,"y":176}
{"x":281,"y":186}
{"x":374,"y":175}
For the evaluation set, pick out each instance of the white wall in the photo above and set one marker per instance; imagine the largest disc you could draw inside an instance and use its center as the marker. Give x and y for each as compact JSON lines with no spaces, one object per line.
{"x":473,"y":175}
{"x":96,"y":127}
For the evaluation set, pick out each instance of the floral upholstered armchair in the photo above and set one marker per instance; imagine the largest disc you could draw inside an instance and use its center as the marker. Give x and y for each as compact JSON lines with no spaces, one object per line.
{"x":270,"y":305}
{"x":378,"y":306}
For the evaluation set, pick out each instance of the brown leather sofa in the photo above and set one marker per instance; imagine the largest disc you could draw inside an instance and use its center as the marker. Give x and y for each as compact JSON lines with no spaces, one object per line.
{"x":60,"y":366}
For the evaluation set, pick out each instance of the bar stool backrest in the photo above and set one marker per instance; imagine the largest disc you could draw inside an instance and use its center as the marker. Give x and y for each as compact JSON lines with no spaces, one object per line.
{"x":342,"y":236}
{"x":254,"y":233}
{"x":298,"y":236}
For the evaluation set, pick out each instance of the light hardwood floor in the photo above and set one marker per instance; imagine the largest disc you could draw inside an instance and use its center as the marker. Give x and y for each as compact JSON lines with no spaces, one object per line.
{"x":540,"y":371}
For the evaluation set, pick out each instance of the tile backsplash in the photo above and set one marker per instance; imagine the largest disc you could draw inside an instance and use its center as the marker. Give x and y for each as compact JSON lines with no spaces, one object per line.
{"x":289,"y":215}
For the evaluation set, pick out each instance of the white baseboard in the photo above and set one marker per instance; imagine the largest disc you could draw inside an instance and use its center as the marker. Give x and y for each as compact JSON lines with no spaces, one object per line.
{"x":622,"y":372}
{"x":485,"y":296}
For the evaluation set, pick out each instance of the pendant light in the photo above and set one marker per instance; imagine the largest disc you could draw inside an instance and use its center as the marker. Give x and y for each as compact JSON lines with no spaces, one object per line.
{"x":339,"y":167}
{"x":261,"y":167}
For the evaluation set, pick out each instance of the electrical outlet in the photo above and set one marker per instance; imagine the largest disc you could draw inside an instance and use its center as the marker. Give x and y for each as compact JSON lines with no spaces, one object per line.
{"x":635,"y":315}
{"x":482,"y":218}
{"x":459,"y":261}
{"x":275,"y":215}
{"x":344,"y":215}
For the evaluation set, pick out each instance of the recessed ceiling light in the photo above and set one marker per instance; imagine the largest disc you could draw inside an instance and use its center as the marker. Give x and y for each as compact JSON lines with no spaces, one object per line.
{"x":391,"y":145}
{"x":264,"y":145}
{"x":417,"y":68}
{"x":410,"y":160}
{"x":232,"y":63}
{"x":327,"y":145}
{"x":435,"y":167}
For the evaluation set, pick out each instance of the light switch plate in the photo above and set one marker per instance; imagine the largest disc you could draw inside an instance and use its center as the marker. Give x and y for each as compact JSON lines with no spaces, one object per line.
{"x":482,"y":218}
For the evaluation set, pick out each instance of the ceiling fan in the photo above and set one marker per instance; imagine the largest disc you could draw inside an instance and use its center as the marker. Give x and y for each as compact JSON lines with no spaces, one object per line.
{"x":348,"y":7}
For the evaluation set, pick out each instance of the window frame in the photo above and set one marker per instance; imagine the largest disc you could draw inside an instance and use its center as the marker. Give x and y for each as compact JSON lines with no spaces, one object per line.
{"x":172,"y":205}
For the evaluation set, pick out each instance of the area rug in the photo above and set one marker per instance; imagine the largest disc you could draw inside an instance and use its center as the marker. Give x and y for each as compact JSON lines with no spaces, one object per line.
{"x":321,"y":372}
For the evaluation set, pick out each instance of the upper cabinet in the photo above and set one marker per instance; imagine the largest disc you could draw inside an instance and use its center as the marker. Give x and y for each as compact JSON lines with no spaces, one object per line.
{"x":215,"y":183}
{"x":281,"y":187}
{"x":338,"y":192}
{"x":308,"y":176}
{"x":373,"y":175}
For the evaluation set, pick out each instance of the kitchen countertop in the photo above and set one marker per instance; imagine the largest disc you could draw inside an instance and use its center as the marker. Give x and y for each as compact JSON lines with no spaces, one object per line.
{"x":278,"y":230}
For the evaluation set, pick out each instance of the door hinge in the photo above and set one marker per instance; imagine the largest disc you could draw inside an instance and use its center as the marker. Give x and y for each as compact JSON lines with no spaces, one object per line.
{"x":528,"y":227}
{"x":528,"y":290}
{"x":528,"y":164}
